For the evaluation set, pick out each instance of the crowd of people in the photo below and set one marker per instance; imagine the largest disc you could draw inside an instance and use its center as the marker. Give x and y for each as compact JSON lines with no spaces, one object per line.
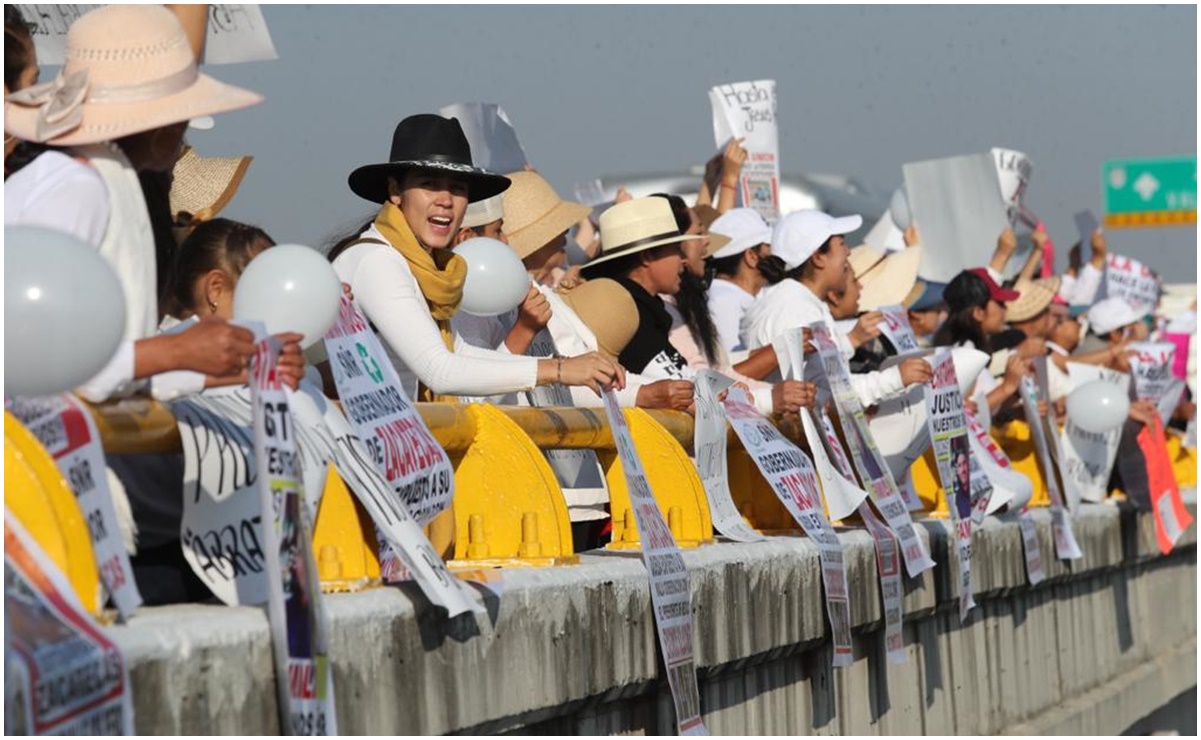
{"x":669,"y":287}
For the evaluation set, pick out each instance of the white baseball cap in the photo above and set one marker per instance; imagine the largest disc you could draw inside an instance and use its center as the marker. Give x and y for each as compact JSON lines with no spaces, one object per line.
{"x":1113,"y":313}
{"x":798,"y":235}
{"x":483,"y":212}
{"x":745,"y":228}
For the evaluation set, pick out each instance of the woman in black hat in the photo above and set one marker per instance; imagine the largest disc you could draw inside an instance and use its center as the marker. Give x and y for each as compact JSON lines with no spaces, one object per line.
{"x":409,"y":283}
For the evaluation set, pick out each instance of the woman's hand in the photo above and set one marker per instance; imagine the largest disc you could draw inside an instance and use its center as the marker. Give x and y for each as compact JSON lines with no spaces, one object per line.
{"x":534,"y":311}
{"x":290,"y":365}
{"x":1016,"y":368}
{"x":915,"y":370}
{"x":593,"y":370}
{"x":665,"y":394}
{"x":790,"y":396}
{"x":214,"y":347}
{"x":866,"y":329}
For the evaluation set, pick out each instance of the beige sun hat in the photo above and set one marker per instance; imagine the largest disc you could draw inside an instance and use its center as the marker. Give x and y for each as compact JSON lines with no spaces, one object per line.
{"x":127,"y":69}
{"x":636,"y":225}
{"x":886,"y":279}
{"x":202,"y":186}
{"x":606,"y":308}
{"x":535,"y":214}
{"x":1036,"y":296}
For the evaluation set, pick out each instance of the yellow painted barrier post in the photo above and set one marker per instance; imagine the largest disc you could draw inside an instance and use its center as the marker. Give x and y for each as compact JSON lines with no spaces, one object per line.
{"x":344,"y":541}
{"x":673,"y":480}
{"x":509,"y":509}
{"x":39,"y":497}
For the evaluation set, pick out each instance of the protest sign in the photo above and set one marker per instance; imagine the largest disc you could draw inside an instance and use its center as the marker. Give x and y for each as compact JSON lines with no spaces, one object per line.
{"x":711,"y":462}
{"x":1061,"y":525}
{"x":948,"y":433}
{"x":235,"y":33}
{"x":792,"y":478}
{"x":1088,"y":457}
{"x":670,"y":590}
{"x":1086,"y":225}
{"x":70,"y":676}
{"x":747,"y":110}
{"x":396,"y":436}
{"x":303,"y":675}
{"x":493,"y":140}
{"x":1132,"y":281}
{"x":832,"y":372}
{"x":837,"y":475}
{"x":69,"y":434}
{"x":961,"y":209}
{"x":1171,"y":516}
{"x":895,"y":328}
{"x":1151,"y":367}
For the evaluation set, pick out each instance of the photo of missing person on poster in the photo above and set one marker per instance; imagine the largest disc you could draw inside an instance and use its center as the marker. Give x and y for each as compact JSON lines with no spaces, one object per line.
{"x":961,"y":475}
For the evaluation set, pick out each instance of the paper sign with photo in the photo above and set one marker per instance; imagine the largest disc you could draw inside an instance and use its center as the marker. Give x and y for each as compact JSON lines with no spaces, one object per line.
{"x":493,"y":140}
{"x":1013,"y":177}
{"x":747,"y":110}
{"x":671,"y":595}
{"x":69,"y":675}
{"x":961,"y":211}
{"x":790,"y":473}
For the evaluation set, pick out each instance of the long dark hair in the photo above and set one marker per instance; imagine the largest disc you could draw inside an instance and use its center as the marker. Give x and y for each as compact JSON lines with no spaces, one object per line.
{"x":965,"y":293}
{"x":337,"y":244}
{"x":219,"y":244}
{"x":775,"y":270}
{"x":693,"y":298}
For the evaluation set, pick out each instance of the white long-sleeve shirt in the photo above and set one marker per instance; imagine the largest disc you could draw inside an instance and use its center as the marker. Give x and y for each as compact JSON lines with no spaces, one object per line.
{"x":789,"y":305}
{"x":386,"y":290}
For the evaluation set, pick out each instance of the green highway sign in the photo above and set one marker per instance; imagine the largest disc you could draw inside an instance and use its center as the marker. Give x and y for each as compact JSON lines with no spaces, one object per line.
{"x":1150,"y":192}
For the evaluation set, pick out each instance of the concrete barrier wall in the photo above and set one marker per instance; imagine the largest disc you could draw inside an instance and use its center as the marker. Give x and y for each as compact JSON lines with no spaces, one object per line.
{"x":1098,"y":647}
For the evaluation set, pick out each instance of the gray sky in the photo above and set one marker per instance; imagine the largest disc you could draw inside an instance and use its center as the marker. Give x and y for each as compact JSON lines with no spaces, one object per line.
{"x":612,"y":90}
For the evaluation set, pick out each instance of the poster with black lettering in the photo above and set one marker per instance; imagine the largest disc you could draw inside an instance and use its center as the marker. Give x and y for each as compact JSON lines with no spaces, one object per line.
{"x":396,"y":436}
{"x":747,"y":110}
{"x":1061,"y":525}
{"x":948,"y":433}
{"x":793,"y":479}
{"x":896,"y":329}
{"x":235,"y":33}
{"x":69,"y":434}
{"x":670,"y":589}
{"x":69,"y":677}
{"x":831,"y":372}
{"x":1088,"y":457}
{"x":1151,"y":366}
{"x":303,"y":674}
{"x":711,"y":462}
{"x":1132,"y":281}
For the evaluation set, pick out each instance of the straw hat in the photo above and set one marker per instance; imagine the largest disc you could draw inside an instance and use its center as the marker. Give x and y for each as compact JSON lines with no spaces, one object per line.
{"x":127,"y":69}
{"x":535,"y":214}
{"x":608,"y":310}
{"x":635,"y":226}
{"x":886,"y":279}
{"x":1036,"y":297}
{"x":202,"y":186}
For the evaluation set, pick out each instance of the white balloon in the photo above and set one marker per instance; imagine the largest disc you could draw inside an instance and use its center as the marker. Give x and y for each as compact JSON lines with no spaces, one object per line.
{"x":289,"y":288}
{"x":64,"y":312}
{"x":496,"y":279}
{"x":1098,"y":407}
{"x":898,"y":208}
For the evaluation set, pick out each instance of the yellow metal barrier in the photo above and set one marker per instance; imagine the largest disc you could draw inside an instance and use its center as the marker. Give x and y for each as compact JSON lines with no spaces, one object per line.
{"x":39,"y":497}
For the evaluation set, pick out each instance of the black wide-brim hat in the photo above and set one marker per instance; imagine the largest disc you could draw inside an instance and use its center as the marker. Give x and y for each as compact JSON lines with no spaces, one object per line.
{"x":427,"y":142}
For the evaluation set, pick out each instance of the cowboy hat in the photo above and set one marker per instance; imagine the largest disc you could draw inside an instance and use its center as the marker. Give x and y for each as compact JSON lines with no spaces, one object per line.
{"x":535,"y":214}
{"x":127,"y":69}
{"x":886,"y":279}
{"x":1036,"y":296}
{"x":637,"y":225}
{"x":427,"y":142}
{"x":202,"y":186}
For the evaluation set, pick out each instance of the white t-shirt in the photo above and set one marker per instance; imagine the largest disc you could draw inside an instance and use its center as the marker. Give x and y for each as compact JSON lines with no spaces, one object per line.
{"x":728,"y":303}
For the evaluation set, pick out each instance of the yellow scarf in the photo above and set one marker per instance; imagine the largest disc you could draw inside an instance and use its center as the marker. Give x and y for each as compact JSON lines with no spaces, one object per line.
{"x":440,"y":275}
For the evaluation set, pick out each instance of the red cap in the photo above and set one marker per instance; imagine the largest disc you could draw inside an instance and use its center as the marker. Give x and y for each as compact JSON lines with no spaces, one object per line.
{"x":995,"y":292}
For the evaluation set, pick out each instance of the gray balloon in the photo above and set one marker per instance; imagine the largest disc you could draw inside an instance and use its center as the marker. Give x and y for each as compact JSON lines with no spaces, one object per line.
{"x":64,"y":312}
